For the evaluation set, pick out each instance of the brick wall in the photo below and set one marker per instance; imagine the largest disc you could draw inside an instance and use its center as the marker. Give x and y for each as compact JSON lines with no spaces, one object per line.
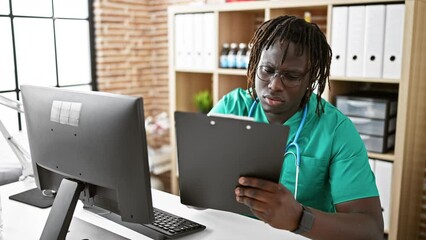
{"x":131,"y":47}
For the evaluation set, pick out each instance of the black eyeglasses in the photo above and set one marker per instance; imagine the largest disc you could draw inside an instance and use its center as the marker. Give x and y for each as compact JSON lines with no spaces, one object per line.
{"x":289,"y":79}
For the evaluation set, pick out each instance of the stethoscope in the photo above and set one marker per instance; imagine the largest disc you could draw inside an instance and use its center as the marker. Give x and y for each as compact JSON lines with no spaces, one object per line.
{"x":291,"y":144}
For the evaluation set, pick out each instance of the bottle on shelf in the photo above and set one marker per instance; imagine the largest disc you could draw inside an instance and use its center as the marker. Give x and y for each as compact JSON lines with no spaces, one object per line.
{"x":223,"y":61}
{"x":241,"y":56}
{"x":232,"y":56}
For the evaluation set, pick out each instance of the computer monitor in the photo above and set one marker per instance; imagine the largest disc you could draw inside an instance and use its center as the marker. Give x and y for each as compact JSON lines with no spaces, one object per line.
{"x":89,"y":146}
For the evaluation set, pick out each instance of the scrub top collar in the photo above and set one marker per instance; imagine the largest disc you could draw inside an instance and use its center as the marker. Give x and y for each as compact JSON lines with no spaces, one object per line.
{"x":296,"y":118}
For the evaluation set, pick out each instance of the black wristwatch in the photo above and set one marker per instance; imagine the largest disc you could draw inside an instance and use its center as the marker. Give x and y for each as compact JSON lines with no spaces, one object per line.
{"x":306,"y":221}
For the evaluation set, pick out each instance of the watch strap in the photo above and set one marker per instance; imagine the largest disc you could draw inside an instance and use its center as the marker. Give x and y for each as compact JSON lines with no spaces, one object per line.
{"x":306,"y":221}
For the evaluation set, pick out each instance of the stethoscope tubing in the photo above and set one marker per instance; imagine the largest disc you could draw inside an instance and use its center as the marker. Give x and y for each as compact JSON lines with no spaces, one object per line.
{"x":299,"y":129}
{"x":291,"y":144}
{"x":296,"y":137}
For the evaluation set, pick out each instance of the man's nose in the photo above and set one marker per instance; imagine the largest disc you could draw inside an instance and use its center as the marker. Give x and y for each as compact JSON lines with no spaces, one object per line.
{"x":276,"y":82}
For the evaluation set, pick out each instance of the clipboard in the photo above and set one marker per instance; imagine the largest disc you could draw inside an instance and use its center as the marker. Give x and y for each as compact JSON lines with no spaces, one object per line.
{"x":213,"y":152}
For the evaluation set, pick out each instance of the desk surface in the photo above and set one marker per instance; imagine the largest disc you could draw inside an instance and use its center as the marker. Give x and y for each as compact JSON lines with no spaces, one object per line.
{"x":21,"y":221}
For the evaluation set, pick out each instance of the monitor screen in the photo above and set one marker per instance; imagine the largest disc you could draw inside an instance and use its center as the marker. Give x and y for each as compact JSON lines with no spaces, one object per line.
{"x":89,"y":146}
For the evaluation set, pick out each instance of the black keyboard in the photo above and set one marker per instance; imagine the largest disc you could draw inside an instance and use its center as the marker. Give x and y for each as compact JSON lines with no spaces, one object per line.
{"x":172,"y":226}
{"x":165,"y":225}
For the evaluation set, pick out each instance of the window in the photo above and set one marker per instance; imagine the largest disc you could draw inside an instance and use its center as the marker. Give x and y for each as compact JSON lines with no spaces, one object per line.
{"x":46,"y":43}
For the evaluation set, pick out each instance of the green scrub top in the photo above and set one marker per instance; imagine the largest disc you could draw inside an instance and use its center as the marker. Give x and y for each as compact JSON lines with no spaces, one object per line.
{"x":334,"y":165}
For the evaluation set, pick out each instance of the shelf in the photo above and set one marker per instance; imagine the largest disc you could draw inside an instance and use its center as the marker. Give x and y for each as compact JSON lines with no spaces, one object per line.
{"x":228,"y":82}
{"x":390,"y":156}
{"x":189,"y":70}
{"x":187,"y":85}
{"x":318,"y":14}
{"x":240,"y":26}
{"x":236,"y":22}
{"x":345,"y":86}
{"x":239,"y":72}
{"x":363,"y":79}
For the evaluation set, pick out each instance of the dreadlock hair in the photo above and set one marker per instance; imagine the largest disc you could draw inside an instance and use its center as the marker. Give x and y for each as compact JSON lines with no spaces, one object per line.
{"x":306,"y":37}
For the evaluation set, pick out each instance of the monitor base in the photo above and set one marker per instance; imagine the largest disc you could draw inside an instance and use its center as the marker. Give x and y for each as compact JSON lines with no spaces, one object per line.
{"x":34,"y":197}
{"x":80,"y":229}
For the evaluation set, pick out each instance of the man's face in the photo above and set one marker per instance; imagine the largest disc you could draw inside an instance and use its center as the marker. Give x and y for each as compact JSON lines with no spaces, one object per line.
{"x":281,"y":93}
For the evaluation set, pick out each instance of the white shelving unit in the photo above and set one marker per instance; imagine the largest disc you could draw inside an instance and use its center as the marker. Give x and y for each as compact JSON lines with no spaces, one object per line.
{"x":236,"y":22}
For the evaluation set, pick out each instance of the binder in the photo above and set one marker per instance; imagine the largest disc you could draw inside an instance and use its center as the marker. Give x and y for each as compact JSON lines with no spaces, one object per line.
{"x":393,"y":41}
{"x":374,"y":40}
{"x":209,"y":35}
{"x":355,"y":49}
{"x":339,"y":30}
{"x":179,"y":41}
{"x":198,"y":38}
{"x":383,"y":172}
{"x":188,"y":44}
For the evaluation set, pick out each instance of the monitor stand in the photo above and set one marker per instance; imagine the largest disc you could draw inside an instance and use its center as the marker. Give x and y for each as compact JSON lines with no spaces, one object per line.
{"x":61,"y":223}
{"x":59,"y":219}
{"x":34,"y":197}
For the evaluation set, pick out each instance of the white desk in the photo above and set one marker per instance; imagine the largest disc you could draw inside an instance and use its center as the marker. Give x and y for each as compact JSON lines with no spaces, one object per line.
{"x":21,"y":221}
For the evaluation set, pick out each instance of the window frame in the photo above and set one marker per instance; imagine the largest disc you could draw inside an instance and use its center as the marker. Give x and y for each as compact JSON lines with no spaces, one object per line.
{"x":90,"y":19}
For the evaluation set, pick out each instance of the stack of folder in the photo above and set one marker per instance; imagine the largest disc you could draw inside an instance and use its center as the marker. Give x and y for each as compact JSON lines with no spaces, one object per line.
{"x":367,"y":41}
{"x":194,"y":35}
